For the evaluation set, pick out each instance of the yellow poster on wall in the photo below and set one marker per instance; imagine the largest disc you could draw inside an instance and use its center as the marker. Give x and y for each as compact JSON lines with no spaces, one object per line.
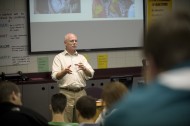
{"x":102,"y":61}
{"x":157,"y":8}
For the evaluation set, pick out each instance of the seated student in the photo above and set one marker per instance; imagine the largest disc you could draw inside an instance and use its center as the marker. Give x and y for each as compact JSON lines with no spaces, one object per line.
{"x":166,"y":99}
{"x":112,"y":93}
{"x":11,"y":110}
{"x":57,"y":107}
{"x":86,"y":109}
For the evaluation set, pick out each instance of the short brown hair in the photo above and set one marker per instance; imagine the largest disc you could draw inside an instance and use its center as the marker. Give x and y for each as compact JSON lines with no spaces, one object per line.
{"x":86,"y":105}
{"x":168,"y":40}
{"x":113,"y":92}
{"x":6,"y":89}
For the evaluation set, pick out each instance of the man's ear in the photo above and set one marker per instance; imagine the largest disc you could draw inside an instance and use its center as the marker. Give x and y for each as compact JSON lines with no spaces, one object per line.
{"x":152,"y":70}
{"x":65,"y":43}
{"x":77,"y":113}
{"x":13,"y":96}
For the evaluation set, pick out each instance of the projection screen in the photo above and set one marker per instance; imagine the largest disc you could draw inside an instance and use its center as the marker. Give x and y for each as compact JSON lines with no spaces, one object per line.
{"x":99,"y":24}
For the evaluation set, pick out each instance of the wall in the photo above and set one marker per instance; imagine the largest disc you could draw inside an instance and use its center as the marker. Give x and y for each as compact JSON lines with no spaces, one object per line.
{"x":116,"y":59}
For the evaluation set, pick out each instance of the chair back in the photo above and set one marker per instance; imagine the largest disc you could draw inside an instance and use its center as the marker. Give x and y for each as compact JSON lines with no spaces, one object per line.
{"x":126,"y":79}
{"x":95,"y":92}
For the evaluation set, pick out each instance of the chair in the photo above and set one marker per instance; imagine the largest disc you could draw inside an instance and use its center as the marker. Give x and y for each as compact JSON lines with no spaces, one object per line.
{"x":95,"y":92}
{"x":126,"y":79}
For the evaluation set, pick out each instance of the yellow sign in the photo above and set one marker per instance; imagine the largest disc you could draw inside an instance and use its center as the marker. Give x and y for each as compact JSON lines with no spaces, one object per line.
{"x":102,"y":61}
{"x":157,"y":8}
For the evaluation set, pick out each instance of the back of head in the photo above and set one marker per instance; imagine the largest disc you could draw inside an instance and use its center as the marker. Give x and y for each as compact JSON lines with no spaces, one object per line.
{"x":86,"y":105}
{"x":11,"y":108}
{"x":6,"y":90}
{"x":167,"y":41}
{"x":113,"y":92}
{"x":58,"y":102}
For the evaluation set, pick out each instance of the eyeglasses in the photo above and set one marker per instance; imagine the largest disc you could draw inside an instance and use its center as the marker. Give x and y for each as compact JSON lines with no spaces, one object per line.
{"x":72,"y":40}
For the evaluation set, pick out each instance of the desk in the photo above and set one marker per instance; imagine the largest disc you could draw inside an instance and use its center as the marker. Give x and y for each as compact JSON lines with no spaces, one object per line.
{"x":100,"y":103}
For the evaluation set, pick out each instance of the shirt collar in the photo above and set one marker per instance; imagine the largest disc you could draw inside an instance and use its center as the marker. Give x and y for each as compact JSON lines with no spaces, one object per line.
{"x":176,"y":79}
{"x":66,"y":53}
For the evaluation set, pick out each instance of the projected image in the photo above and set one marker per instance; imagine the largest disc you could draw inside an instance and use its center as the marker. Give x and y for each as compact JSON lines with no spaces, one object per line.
{"x":57,"y":6}
{"x":101,"y":24}
{"x":113,"y":8}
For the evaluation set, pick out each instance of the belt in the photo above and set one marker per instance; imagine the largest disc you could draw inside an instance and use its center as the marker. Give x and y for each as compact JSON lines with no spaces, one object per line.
{"x":73,"y":89}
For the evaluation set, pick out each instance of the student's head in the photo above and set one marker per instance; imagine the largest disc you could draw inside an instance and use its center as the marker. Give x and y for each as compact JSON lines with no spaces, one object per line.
{"x":10,"y":92}
{"x":86,"y":107}
{"x":58,"y":103}
{"x":113,"y":92}
{"x":71,"y":42}
{"x":167,"y":42}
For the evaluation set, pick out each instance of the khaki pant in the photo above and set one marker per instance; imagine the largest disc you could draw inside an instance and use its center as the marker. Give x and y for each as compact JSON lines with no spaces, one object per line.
{"x":72,"y":97}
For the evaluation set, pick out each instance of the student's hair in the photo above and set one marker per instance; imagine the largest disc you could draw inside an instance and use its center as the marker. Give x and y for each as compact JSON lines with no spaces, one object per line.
{"x":113,"y":92}
{"x":6,"y":89}
{"x":168,"y":40}
{"x":86,"y":105}
{"x":58,"y":102}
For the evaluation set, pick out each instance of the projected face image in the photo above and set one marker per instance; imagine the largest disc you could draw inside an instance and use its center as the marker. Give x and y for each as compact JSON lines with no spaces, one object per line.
{"x":57,"y":6}
{"x":110,"y":8}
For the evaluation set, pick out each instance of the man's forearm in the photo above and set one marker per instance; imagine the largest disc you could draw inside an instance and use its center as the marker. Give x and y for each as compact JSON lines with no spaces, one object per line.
{"x":60,"y":75}
{"x":87,"y":72}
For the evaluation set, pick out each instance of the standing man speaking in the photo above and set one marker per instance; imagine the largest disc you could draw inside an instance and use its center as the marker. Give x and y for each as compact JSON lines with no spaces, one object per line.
{"x":71,"y":70}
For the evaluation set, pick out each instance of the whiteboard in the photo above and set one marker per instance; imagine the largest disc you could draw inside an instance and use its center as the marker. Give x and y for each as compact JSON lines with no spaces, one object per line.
{"x":13,"y":38}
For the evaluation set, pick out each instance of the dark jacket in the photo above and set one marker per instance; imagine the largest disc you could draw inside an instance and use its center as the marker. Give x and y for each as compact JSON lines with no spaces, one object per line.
{"x":11,"y":114}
